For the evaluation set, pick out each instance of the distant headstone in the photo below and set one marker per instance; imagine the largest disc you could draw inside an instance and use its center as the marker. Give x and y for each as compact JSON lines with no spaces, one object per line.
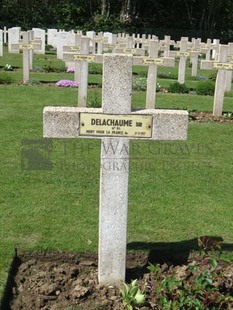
{"x":64,"y":38}
{"x":13,"y":38}
{"x":115,"y":124}
{"x":52,"y":37}
{"x":40,"y":35}
{"x":91,"y":35}
{"x":75,"y":48}
{"x":110,"y":37}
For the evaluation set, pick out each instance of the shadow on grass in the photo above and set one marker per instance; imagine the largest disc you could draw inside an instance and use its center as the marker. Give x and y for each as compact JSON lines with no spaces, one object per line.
{"x":172,"y":253}
{"x":4,"y":303}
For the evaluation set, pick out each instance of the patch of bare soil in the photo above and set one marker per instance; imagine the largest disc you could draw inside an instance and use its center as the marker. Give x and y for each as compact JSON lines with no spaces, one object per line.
{"x":207,"y":117}
{"x":52,"y":281}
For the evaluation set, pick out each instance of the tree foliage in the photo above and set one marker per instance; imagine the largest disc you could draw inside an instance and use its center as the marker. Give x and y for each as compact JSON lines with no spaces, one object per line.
{"x":199,"y":17}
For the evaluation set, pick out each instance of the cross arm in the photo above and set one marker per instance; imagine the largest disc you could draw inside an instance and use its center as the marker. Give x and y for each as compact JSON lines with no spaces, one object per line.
{"x":207,"y":64}
{"x":167,"y":124}
{"x":70,"y":56}
{"x":23,"y":46}
{"x":74,"y":49}
{"x":64,"y":122}
{"x":163,"y":61}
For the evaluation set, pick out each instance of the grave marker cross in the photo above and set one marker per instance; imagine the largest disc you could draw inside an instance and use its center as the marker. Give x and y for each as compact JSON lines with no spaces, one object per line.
{"x":222,"y":66}
{"x":28,"y":47}
{"x":115,"y":124}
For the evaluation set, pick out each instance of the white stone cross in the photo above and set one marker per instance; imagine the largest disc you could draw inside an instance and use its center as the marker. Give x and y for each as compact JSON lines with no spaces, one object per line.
{"x":165,"y":45}
{"x":27,"y":46}
{"x":115,"y":123}
{"x":98,"y":42}
{"x":194,"y":53}
{"x":154,"y":62}
{"x":183,"y":54}
{"x":81,"y":61}
{"x":206,"y":48}
{"x":222,"y":66}
{"x":215,"y":48}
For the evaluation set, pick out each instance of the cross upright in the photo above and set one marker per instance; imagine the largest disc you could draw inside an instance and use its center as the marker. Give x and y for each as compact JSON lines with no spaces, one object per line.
{"x":183,"y":54}
{"x":153,"y":63}
{"x":165,"y":45}
{"x":206,"y":48}
{"x":195,"y":51}
{"x":28,"y":47}
{"x":116,"y":124}
{"x":222,"y":65}
{"x":81,"y":61}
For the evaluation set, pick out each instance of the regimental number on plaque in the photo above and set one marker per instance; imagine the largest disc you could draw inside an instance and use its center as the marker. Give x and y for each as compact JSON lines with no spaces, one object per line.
{"x":93,"y":124}
{"x":223,"y":65}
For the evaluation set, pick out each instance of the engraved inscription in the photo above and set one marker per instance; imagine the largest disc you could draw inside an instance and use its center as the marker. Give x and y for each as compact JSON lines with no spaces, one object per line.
{"x":116,"y":125}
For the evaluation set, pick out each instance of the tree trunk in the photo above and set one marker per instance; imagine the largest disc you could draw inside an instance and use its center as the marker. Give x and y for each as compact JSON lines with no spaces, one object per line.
{"x":125,"y":15}
{"x":105,"y":8}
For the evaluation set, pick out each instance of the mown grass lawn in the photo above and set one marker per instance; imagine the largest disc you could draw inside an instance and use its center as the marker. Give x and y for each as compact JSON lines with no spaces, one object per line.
{"x":178,"y":191}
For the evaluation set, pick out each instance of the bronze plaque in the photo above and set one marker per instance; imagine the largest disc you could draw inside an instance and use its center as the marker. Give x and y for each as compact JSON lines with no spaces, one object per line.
{"x":88,"y":58}
{"x":183,"y":54}
{"x":104,"y":125}
{"x":223,"y":66}
{"x":155,"y":61}
{"x":26,"y":46}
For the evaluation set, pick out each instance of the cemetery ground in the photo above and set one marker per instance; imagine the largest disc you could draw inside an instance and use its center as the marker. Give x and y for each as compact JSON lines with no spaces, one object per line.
{"x":178,"y":191}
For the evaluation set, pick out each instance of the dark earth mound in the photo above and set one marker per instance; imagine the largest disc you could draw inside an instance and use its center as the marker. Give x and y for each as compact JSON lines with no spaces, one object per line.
{"x":57,"y":280}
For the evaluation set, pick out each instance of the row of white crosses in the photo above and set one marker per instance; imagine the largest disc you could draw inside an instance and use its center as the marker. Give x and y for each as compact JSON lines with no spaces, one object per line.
{"x":192,"y":50}
{"x":82,"y":59}
{"x":127,"y":45}
{"x":115,"y":124}
{"x":108,"y":40}
{"x":224,"y":66}
{"x":28,"y":45}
